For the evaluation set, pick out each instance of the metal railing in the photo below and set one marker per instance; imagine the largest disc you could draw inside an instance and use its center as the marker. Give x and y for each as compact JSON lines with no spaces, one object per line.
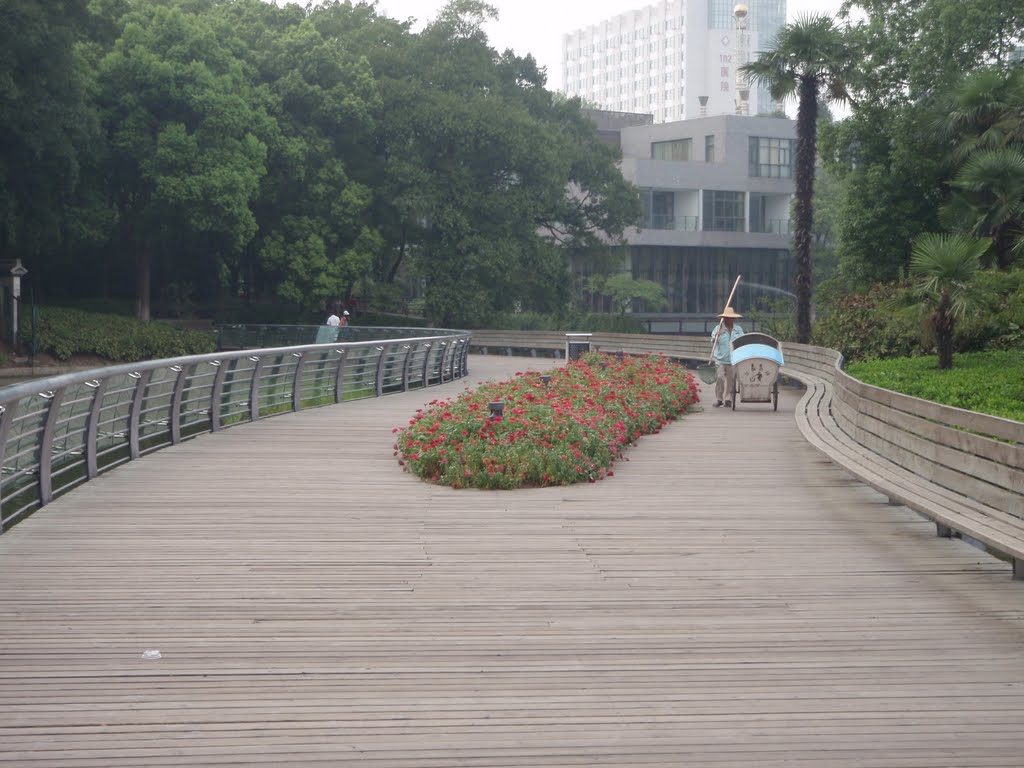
{"x":59,"y":432}
{"x":671,"y":221}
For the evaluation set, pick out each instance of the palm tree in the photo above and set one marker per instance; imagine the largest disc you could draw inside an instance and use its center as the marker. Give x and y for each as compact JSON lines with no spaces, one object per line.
{"x":990,"y":201}
{"x":985,"y":110}
{"x":809,"y":58}
{"x":944,"y":267}
{"x":983,"y":118}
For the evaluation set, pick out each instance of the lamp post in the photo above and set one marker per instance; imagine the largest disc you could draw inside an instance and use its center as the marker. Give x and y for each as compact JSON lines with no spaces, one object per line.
{"x":17,"y":272}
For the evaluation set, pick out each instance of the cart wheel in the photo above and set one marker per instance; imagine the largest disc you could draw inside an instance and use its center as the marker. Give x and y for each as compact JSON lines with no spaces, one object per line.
{"x":775,"y":396}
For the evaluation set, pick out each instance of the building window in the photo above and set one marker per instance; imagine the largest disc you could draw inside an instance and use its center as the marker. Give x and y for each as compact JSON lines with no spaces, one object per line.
{"x":771,"y":157}
{"x":680,"y":149}
{"x":709,"y":149}
{"x":723,"y":211}
{"x":659,"y":208}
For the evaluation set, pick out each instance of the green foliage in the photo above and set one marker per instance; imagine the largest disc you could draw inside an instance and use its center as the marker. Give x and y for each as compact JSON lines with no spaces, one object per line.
{"x":915,"y":118}
{"x":65,"y":332}
{"x":240,"y":150}
{"x":624,"y":290}
{"x":987,"y":382}
{"x":943,"y":268}
{"x":881,"y":322}
{"x":570,"y":430}
{"x":1001,"y":323}
{"x":46,"y":122}
{"x":864,"y":325}
{"x":888,"y":172}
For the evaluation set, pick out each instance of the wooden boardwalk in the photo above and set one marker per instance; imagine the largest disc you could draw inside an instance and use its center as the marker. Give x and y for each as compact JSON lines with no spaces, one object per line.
{"x":728,"y":598}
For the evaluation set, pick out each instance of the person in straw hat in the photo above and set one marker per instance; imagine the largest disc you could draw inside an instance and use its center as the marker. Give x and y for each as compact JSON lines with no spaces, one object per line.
{"x":725,"y":374}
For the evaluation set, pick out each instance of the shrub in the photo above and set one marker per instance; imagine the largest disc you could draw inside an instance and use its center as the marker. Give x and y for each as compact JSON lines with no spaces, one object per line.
{"x":64,"y":332}
{"x":568,"y":431}
{"x":987,"y":382}
{"x":865,"y":326}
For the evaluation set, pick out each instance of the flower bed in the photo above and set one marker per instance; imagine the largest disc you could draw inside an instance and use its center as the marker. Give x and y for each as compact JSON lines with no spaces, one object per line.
{"x":568,"y":430}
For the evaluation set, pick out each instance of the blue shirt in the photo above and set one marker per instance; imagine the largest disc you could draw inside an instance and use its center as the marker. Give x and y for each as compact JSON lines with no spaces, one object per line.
{"x":723,"y":347}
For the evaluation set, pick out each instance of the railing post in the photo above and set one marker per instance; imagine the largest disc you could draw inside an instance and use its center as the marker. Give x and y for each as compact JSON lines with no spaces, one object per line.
{"x":216,"y":393}
{"x":339,"y":378}
{"x":46,"y":446}
{"x":426,"y":364}
{"x":92,"y":431}
{"x":254,"y":388}
{"x":444,"y":359}
{"x":175,"y":415}
{"x":135,"y":419}
{"x":380,"y":369}
{"x":405,"y":366}
{"x":297,"y":381}
{"x":453,"y":363}
{"x":6,"y":417}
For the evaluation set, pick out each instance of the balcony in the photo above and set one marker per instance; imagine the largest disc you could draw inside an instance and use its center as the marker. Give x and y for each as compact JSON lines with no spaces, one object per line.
{"x":772,"y":227}
{"x":671,"y":221}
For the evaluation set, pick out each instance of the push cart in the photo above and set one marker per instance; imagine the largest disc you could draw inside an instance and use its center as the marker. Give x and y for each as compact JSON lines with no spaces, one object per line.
{"x":756,"y":359}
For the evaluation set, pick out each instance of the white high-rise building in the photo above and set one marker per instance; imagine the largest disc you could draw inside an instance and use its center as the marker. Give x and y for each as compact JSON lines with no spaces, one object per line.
{"x":669,"y":57}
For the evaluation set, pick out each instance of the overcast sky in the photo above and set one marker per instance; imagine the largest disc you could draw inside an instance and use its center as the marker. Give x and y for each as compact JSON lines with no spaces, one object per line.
{"x":537,"y":26}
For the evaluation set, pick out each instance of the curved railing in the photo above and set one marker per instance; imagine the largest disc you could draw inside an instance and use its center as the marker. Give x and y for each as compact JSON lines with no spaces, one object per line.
{"x":59,"y":432}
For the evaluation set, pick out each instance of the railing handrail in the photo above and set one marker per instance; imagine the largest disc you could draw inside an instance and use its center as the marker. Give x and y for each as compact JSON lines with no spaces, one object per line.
{"x":15,"y":391}
{"x":60,"y":431}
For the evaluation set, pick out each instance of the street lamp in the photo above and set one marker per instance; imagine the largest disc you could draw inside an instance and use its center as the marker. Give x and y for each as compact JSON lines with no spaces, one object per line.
{"x":17,"y":272}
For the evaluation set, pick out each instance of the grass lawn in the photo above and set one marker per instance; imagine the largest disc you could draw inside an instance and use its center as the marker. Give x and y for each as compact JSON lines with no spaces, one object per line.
{"x":987,"y":382}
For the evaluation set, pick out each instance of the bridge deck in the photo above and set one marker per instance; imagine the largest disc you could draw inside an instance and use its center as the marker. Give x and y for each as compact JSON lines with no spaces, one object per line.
{"x":728,"y":598}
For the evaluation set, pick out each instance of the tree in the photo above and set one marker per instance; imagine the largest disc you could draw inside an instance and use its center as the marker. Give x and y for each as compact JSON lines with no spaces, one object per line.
{"x":891,"y":182}
{"x":943,"y":268}
{"x":808,"y":58}
{"x":624,"y":290}
{"x":911,"y":49}
{"x":315,"y":238}
{"x":984,"y":118}
{"x":488,"y":184}
{"x":46,"y":122}
{"x":891,"y":157}
{"x":184,"y":161}
{"x":990,"y":201}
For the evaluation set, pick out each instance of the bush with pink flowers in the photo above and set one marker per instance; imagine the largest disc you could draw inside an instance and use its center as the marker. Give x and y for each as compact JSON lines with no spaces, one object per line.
{"x":568,"y":430}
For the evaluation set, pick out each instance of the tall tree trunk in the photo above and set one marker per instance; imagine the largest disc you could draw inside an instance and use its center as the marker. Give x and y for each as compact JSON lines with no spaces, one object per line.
{"x":143,"y":274}
{"x":1002,"y":244}
{"x":806,"y":150}
{"x":944,"y":332}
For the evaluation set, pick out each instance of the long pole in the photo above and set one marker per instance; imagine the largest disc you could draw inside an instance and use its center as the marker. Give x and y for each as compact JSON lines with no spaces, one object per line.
{"x":718,"y":330}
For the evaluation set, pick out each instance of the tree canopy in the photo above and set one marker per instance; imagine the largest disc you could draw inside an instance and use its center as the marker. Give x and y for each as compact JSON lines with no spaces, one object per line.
{"x":220,"y":149}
